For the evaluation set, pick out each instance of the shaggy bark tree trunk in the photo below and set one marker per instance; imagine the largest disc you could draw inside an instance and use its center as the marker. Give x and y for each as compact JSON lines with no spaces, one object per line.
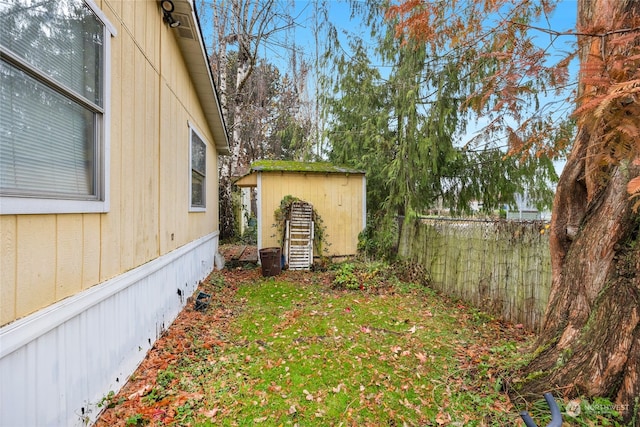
{"x":590,"y":340}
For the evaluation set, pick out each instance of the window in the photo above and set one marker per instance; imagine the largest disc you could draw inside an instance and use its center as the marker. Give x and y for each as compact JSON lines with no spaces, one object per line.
{"x":198,"y":172}
{"x":53,"y":144}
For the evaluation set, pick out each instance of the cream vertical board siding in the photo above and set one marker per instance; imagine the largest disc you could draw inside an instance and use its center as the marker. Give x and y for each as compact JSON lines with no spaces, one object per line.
{"x":90,"y":250}
{"x":337,"y":198}
{"x":110,"y":229}
{"x":138,"y":162}
{"x":8,"y":237}
{"x":171,"y":157}
{"x":69,"y":250}
{"x":152,"y":109}
{"x":146,"y":218}
{"x":174,"y":171}
{"x":126,"y":115}
{"x":36,"y":263}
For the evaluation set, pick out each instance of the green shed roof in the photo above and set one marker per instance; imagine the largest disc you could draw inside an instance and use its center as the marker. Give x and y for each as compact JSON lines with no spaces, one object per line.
{"x":291,"y":166}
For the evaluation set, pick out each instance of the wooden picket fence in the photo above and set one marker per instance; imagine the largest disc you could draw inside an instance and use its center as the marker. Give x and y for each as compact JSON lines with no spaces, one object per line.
{"x":502,"y":267}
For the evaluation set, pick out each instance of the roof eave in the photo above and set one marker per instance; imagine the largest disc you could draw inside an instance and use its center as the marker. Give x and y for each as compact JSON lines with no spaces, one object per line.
{"x":196,"y":59}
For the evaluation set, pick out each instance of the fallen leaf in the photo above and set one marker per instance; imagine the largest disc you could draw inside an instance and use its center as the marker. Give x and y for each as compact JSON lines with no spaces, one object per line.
{"x":274,"y":388}
{"x":141,"y":392}
{"x":443,"y":418}
{"x":573,"y":408}
{"x":421,"y":357}
{"x":211,"y":413}
{"x":159,"y":414}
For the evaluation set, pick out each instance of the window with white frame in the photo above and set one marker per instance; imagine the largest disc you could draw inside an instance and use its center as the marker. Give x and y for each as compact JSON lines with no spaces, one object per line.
{"x":52,"y":105}
{"x":198,"y":171}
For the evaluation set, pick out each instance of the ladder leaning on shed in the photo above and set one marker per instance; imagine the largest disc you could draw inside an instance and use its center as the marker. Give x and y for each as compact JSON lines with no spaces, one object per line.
{"x":299,"y":236}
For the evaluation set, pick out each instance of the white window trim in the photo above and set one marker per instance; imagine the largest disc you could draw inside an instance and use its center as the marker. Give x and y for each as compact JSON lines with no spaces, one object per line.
{"x":37,"y":205}
{"x":191,"y":207}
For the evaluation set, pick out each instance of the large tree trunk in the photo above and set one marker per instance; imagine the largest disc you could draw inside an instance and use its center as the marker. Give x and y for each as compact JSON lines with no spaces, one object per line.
{"x":590,"y":340}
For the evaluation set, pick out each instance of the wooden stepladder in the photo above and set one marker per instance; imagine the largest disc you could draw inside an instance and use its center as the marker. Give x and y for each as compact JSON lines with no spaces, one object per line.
{"x":299,"y":236}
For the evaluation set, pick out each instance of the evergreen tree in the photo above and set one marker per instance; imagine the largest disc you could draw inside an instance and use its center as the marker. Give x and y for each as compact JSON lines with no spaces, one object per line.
{"x":404,"y":130}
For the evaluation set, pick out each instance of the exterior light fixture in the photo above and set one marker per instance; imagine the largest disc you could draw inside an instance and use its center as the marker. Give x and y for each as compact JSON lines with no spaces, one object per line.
{"x":167,"y":6}
{"x":173,"y":23}
{"x":167,"y":9}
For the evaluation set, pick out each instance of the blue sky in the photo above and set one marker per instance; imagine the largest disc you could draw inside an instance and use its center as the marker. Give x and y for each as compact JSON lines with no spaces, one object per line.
{"x":302,"y":34}
{"x":562,"y":19}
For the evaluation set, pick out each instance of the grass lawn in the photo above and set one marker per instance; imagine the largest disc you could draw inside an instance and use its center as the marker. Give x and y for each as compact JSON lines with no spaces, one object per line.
{"x":323,"y":349}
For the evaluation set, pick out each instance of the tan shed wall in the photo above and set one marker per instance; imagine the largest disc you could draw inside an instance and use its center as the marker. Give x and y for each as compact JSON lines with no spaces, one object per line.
{"x":46,"y":258}
{"x":338,"y":199}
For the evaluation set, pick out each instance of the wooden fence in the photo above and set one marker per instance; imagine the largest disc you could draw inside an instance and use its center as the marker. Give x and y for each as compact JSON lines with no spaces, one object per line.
{"x":502,"y":267}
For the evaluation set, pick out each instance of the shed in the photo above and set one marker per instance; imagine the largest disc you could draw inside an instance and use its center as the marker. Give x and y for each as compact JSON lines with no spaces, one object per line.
{"x":337,"y":193}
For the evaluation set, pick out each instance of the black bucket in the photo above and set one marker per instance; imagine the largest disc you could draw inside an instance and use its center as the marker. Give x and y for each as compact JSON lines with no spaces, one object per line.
{"x":270,"y":261}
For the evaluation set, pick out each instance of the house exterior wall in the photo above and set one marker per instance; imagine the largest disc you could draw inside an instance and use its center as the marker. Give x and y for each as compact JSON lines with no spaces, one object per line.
{"x":84,"y":295}
{"x":338,"y":199}
{"x":47,"y":258}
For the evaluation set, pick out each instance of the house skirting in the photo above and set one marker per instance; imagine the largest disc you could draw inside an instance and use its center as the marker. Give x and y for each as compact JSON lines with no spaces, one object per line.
{"x":58,"y":364}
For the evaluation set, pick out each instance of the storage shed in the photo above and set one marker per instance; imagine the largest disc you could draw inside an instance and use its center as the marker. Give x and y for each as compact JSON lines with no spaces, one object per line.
{"x":337,"y":193}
